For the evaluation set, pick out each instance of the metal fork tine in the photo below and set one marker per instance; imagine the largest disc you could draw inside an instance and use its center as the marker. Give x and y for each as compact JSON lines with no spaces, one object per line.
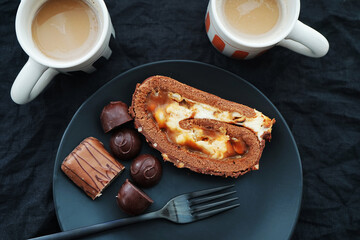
{"x":177,"y":209}
{"x":207,"y":191}
{"x":209,"y":198}
{"x":210,"y":213}
{"x":211,"y":205}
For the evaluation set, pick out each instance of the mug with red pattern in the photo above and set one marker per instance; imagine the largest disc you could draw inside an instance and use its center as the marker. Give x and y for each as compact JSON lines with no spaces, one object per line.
{"x":289,"y":32}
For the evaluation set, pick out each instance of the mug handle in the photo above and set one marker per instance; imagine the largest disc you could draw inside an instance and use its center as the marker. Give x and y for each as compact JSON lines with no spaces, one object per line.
{"x":305,"y":40}
{"x":30,"y":81}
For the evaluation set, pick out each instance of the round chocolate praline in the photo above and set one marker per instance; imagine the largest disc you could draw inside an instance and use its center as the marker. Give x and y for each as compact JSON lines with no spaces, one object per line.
{"x":113,"y":115}
{"x":146,"y":170}
{"x":125,"y":143}
{"x":132,"y":200}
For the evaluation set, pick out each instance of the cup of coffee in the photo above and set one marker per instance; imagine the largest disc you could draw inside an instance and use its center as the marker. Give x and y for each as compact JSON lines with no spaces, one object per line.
{"x":244,"y":29}
{"x":60,"y":36}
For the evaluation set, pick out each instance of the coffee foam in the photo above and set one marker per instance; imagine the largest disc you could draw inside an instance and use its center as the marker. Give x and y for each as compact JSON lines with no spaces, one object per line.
{"x":58,"y":39}
{"x":253,"y":38}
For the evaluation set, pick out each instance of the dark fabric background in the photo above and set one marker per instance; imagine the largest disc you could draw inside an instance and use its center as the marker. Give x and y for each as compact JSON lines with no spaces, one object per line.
{"x":319,"y":98}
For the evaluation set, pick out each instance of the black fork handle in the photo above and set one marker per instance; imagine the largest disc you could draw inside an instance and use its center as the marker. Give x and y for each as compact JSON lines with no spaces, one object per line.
{"x":101,"y":227}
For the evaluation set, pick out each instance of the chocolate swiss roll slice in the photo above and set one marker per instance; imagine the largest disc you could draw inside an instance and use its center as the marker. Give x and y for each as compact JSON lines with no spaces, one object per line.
{"x":198,"y":130}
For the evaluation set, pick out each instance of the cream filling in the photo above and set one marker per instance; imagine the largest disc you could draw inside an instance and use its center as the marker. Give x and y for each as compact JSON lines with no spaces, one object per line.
{"x":217,"y":148}
{"x":174,"y":113}
{"x":204,"y":111}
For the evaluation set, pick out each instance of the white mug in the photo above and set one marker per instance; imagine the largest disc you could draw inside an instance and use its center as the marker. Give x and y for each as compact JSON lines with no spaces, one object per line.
{"x":289,"y":33}
{"x":40,"y":69}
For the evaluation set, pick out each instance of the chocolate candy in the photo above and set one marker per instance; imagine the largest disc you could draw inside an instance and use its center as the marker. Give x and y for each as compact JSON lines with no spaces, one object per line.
{"x":132,"y":200}
{"x":113,"y":115}
{"x":91,"y":167}
{"x":146,"y":170}
{"x":125,"y":143}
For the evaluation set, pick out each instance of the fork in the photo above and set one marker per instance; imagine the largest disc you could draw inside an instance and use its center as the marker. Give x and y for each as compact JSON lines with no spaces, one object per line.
{"x":185,"y":208}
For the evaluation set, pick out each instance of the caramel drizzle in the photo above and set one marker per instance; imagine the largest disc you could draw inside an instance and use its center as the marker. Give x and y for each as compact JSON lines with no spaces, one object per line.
{"x":103,"y":178}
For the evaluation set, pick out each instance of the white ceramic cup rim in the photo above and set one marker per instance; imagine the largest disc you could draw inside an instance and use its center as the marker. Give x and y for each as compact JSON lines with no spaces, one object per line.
{"x":39,"y":57}
{"x":285,"y":32}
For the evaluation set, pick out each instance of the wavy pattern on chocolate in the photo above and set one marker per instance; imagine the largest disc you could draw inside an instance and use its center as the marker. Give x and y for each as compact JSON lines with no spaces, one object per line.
{"x":91,"y":167}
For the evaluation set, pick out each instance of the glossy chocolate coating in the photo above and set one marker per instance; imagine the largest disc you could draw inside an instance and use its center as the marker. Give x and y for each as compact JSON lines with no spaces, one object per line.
{"x":146,"y":170}
{"x":91,"y":167}
{"x":125,"y":143}
{"x":113,"y":115}
{"x":132,"y":200}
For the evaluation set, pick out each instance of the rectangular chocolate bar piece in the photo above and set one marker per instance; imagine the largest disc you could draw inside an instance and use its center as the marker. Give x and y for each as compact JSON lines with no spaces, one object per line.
{"x":91,"y":167}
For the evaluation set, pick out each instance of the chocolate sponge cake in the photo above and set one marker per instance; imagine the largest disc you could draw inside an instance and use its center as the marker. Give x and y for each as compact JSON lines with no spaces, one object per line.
{"x":198,"y":130}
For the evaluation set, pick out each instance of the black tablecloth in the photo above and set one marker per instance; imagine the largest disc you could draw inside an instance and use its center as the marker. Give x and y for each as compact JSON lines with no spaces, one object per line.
{"x":319,"y":98}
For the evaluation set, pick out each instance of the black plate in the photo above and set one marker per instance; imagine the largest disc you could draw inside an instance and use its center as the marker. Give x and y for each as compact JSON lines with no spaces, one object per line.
{"x":270,"y":198}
